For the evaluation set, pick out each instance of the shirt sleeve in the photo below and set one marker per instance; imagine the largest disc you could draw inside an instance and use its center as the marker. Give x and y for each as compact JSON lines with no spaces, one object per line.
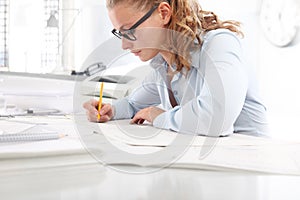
{"x":142,"y":97}
{"x":216,"y":107}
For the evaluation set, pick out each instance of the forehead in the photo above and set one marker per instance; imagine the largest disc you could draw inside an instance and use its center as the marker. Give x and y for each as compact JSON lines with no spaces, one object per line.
{"x":123,"y":15}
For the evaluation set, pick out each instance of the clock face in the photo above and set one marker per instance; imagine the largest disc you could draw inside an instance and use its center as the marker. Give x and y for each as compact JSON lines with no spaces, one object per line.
{"x":278,"y":20}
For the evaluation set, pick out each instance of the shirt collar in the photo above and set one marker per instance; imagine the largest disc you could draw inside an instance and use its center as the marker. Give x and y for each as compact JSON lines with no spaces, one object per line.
{"x":158,"y":61}
{"x":195,"y":58}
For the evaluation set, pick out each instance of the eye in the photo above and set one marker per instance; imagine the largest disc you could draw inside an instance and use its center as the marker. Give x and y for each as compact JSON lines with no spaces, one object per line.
{"x":129,"y":34}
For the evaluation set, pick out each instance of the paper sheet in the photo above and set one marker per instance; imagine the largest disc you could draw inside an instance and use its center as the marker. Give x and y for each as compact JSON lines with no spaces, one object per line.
{"x":7,"y":127}
{"x":69,"y":144}
{"x":237,"y":152}
{"x":146,"y":135}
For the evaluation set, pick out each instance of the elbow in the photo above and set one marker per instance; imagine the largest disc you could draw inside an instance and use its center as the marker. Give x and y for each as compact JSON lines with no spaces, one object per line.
{"x":213,"y":126}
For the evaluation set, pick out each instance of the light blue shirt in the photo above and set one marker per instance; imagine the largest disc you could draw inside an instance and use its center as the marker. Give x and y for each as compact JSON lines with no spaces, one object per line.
{"x":216,"y":97}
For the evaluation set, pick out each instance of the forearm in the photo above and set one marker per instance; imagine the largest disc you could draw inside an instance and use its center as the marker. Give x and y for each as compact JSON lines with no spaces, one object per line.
{"x":122,"y":109}
{"x":211,"y":113}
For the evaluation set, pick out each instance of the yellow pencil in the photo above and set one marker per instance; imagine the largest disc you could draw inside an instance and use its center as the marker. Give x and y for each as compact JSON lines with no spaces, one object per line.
{"x":100,"y":100}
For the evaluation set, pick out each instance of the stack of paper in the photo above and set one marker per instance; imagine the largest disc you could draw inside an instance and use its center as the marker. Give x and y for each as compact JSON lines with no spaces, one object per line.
{"x":120,"y":143}
{"x":237,"y":152}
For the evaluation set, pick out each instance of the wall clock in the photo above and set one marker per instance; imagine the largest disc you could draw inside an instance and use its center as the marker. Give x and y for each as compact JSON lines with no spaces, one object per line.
{"x":279,"y":20}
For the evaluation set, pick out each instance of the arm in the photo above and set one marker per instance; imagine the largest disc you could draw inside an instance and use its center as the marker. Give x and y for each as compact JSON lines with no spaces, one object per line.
{"x":215,"y":108}
{"x":142,"y":97}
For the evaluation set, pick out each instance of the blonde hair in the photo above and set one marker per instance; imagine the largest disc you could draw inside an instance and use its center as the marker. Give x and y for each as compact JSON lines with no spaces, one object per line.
{"x":189,"y":20}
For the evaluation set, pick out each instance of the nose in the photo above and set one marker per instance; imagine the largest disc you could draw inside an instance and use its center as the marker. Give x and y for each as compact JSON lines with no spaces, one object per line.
{"x":126,"y":44}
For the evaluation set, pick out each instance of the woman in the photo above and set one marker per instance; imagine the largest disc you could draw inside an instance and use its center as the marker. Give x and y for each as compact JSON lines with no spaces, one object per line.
{"x":199,"y":84}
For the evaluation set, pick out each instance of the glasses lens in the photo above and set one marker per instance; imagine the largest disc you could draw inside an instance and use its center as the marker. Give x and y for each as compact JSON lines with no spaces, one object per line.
{"x":117,"y":33}
{"x":129,"y":34}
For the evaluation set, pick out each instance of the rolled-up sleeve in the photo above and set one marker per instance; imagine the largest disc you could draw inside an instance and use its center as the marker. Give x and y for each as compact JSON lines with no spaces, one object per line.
{"x":142,"y":97}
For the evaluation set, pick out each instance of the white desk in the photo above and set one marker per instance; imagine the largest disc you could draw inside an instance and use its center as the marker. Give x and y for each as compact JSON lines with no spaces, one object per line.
{"x":118,"y":142}
{"x":63,"y":170}
{"x":98,"y":182}
{"x":75,"y":175}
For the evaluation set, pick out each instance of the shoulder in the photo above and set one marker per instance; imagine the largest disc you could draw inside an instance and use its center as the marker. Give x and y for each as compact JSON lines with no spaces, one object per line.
{"x":217,"y":44}
{"x":221,"y":45}
{"x":221,"y":42}
{"x":221,"y":33}
{"x":221,"y":38}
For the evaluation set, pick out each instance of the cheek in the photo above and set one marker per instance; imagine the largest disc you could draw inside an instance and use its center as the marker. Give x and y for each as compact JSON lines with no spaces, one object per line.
{"x":153,"y":38}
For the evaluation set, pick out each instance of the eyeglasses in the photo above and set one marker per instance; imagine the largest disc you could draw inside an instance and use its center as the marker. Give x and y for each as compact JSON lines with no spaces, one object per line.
{"x":129,"y":33}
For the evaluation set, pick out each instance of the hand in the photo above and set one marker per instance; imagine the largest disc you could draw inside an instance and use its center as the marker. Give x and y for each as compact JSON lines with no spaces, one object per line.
{"x":148,"y":114}
{"x":106,"y":112}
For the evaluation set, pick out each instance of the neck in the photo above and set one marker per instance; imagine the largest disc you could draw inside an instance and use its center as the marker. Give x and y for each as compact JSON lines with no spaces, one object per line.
{"x":167,"y":57}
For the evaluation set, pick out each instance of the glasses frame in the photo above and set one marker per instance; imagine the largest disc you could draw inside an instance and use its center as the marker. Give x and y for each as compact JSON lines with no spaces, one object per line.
{"x":129,"y":33}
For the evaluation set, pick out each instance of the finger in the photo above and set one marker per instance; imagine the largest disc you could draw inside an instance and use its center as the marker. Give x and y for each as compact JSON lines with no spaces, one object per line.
{"x":105,"y":109}
{"x":104,"y":118}
{"x":89,"y":103}
{"x":94,"y":102}
{"x":136,"y":118}
{"x":140,"y":121}
{"x":90,"y":106}
{"x":92,"y":118}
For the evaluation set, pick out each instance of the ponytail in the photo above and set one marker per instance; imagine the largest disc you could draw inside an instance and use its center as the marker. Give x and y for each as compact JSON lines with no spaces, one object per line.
{"x":190,"y":20}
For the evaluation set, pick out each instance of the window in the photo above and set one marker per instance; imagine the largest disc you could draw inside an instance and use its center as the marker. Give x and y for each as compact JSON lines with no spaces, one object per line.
{"x":26,"y":43}
{"x":4,"y":33}
{"x":51,"y":44}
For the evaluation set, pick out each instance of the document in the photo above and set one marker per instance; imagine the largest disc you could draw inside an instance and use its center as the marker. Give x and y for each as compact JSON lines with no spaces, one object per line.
{"x":30,"y":128}
{"x":235,"y":153}
{"x":272,"y":159}
{"x":147,"y":135}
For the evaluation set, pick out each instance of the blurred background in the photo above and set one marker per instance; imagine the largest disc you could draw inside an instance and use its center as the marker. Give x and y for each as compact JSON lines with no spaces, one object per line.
{"x":56,"y":36}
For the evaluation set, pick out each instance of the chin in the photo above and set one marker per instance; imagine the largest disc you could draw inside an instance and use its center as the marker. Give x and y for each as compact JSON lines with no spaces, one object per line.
{"x":146,"y":56}
{"x":144,"y":59}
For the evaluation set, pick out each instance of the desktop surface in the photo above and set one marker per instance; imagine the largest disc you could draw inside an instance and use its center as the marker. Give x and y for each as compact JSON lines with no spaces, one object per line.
{"x":96,"y":181}
{"x":239,"y":167}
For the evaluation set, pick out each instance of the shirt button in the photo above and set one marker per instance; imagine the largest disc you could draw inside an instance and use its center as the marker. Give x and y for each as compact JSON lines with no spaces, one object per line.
{"x":175,"y":92}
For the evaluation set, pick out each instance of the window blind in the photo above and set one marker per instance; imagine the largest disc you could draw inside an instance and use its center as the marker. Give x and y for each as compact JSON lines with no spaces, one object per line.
{"x":50,"y":52}
{"x":4,"y":14}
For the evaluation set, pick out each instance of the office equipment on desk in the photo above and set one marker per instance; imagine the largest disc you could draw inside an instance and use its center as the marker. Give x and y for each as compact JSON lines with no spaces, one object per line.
{"x":119,"y":81}
{"x":90,"y":70}
{"x":2,"y":104}
{"x":100,"y":100}
{"x":116,"y":86}
{"x":13,"y":111}
{"x":45,"y":91}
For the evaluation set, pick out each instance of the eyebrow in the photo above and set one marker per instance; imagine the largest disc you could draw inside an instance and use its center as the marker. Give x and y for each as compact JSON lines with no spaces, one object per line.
{"x":126,"y":24}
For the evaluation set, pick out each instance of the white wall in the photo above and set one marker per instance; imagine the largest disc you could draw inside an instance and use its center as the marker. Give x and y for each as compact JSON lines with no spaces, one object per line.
{"x":93,"y":28}
{"x":278,"y":69}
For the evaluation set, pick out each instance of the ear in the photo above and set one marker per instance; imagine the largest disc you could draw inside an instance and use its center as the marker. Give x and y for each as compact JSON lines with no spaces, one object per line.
{"x":165,"y":12}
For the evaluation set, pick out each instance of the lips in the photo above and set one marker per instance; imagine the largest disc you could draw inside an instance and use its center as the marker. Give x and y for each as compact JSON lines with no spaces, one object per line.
{"x":136,"y":53}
